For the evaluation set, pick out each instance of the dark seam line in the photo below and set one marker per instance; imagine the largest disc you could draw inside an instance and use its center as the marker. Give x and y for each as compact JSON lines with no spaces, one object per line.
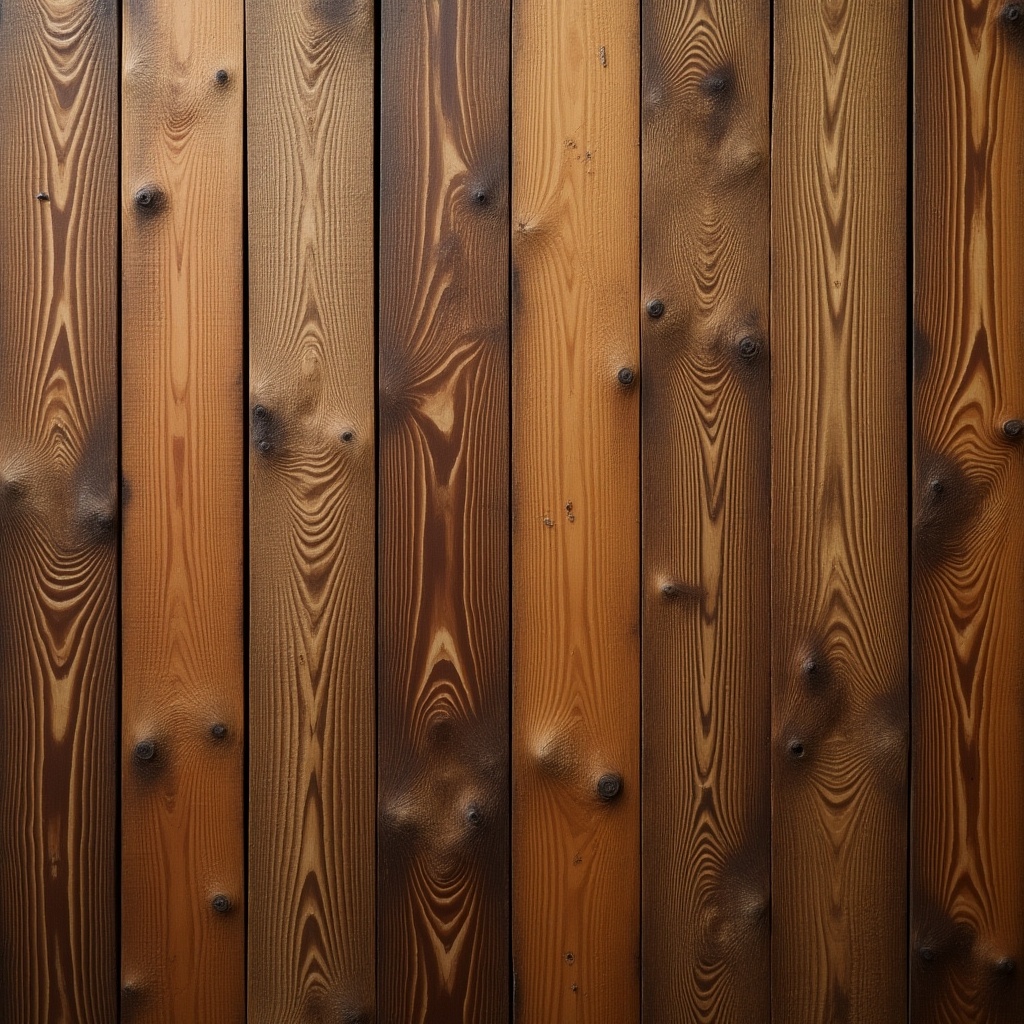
{"x":246,"y":567}
{"x":909,"y":399}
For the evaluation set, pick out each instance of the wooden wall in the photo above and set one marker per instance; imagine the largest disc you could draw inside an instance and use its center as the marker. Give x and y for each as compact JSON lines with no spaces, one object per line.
{"x":510,"y":513}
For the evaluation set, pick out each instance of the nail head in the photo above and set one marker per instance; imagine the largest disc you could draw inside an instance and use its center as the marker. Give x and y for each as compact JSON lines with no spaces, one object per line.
{"x":218,"y":730}
{"x":609,"y":786}
{"x":43,"y":196}
{"x":655,"y":308}
{"x":221,"y":903}
{"x":145,"y":750}
{"x":1013,"y":428}
{"x":222,"y":76}
{"x":626,"y":376}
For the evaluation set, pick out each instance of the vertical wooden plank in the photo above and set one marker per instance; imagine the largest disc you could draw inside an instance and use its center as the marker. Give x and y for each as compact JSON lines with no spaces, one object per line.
{"x":967,"y":938}
{"x":58,"y":510}
{"x":707,"y":704}
{"x":310,"y":96}
{"x":576,"y":542}
{"x":839,"y":524}
{"x":182,"y":406}
{"x":443,"y":806}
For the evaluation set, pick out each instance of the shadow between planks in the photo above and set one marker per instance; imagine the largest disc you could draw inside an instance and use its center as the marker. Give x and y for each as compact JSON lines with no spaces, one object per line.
{"x":520,"y":610}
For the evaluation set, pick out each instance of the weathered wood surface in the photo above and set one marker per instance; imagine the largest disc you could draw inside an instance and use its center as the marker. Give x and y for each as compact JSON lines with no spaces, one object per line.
{"x":443,"y":871}
{"x":58,"y":511}
{"x":576,"y":665}
{"x":706,"y":653}
{"x":839,"y":512}
{"x":310,"y":87}
{"x":183,"y":898}
{"x":967,"y":927}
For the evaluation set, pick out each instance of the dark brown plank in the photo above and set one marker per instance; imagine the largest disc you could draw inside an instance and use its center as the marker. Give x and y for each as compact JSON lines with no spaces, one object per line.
{"x":443,"y":681}
{"x":183,"y":899}
{"x":58,"y":511}
{"x":707,"y":703}
{"x":576,"y":542}
{"x":310,"y":95}
{"x":839,"y":524}
{"x":967,"y":938}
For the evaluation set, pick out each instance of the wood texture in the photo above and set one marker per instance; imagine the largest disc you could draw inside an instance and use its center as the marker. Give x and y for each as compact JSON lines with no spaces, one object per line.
{"x":839,"y":522}
{"x":443,"y":872}
{"x":58,"y":511}
{"x":312,"y":498}
{"x":706,"y":650}
{"x":183,"y":900}
{"x":967,"y":935}
{"x":576,"y":542}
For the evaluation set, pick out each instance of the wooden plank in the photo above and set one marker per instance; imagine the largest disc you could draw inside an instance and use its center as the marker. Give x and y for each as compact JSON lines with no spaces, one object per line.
{"x":58,"y":511}
{"x":576,"y":540}
{"x":706,"y":421}
{"x":839,"y":524}
{"x":443,"y":800}
{"x":183,"y":902}
{"x":310,"y":97}
{"x":967,"y":929}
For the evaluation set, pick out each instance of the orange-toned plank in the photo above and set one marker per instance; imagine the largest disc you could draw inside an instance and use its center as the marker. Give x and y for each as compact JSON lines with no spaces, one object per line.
{"x":576,"y":543}
{"x":183,"y":911}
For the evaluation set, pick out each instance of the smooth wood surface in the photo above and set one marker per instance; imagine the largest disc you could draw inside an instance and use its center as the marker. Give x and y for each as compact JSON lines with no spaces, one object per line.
{"x":706,"y":652}
{"x":58,"y":511}
{"x":967,"y":928}
{"x":443,"y":871}
{"x":839,"y":512}
{"x":311,"y":505}
{"x":575,"y":485}
{"x":183,"y":898}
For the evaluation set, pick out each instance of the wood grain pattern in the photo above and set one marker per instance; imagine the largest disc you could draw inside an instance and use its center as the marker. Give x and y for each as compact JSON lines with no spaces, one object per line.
{"x":312,"y":500}
{"x":443,"y":872}
{"x":839,"y":525}
{"x":967,"y":934}
{"x":706,"y":651}
{"x":183,"y":903}
{"x":576,"y":542}
{"x":58,"y":511}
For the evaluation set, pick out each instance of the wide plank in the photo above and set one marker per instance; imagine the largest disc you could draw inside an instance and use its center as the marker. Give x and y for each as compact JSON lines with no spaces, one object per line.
{"x":967,"y":926}
{"x":183,"y":725}
{"x":839,"y":512}
{"x":706,"y":420}
{"x":576,"y":536}
{"x":58,"y":511}
{"x":443,"y":684}
{"x":310,"y":96}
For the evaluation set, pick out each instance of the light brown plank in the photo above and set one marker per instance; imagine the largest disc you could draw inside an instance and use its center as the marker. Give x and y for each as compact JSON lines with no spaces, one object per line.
{"x":443,"y":872}
{"x":706,"y":654}
{"x":183,"y":903}
{"x":58,"y":511}
{"x":310,"y":95}
{"x":967,"y":935}
{"x":839,"y":525}
{"x":576,"y":696}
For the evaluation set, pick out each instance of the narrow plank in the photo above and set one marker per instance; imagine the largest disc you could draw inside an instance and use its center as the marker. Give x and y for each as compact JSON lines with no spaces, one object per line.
{"x":967,"y":933}
{"x":443,"y":683}
{"x":706,"y":421}
{"x":58,"y":511}
{"x":576,"y":539}
{"x":183,"y":901}
{"x":310,"y":96}
{"x":839,"y":520}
